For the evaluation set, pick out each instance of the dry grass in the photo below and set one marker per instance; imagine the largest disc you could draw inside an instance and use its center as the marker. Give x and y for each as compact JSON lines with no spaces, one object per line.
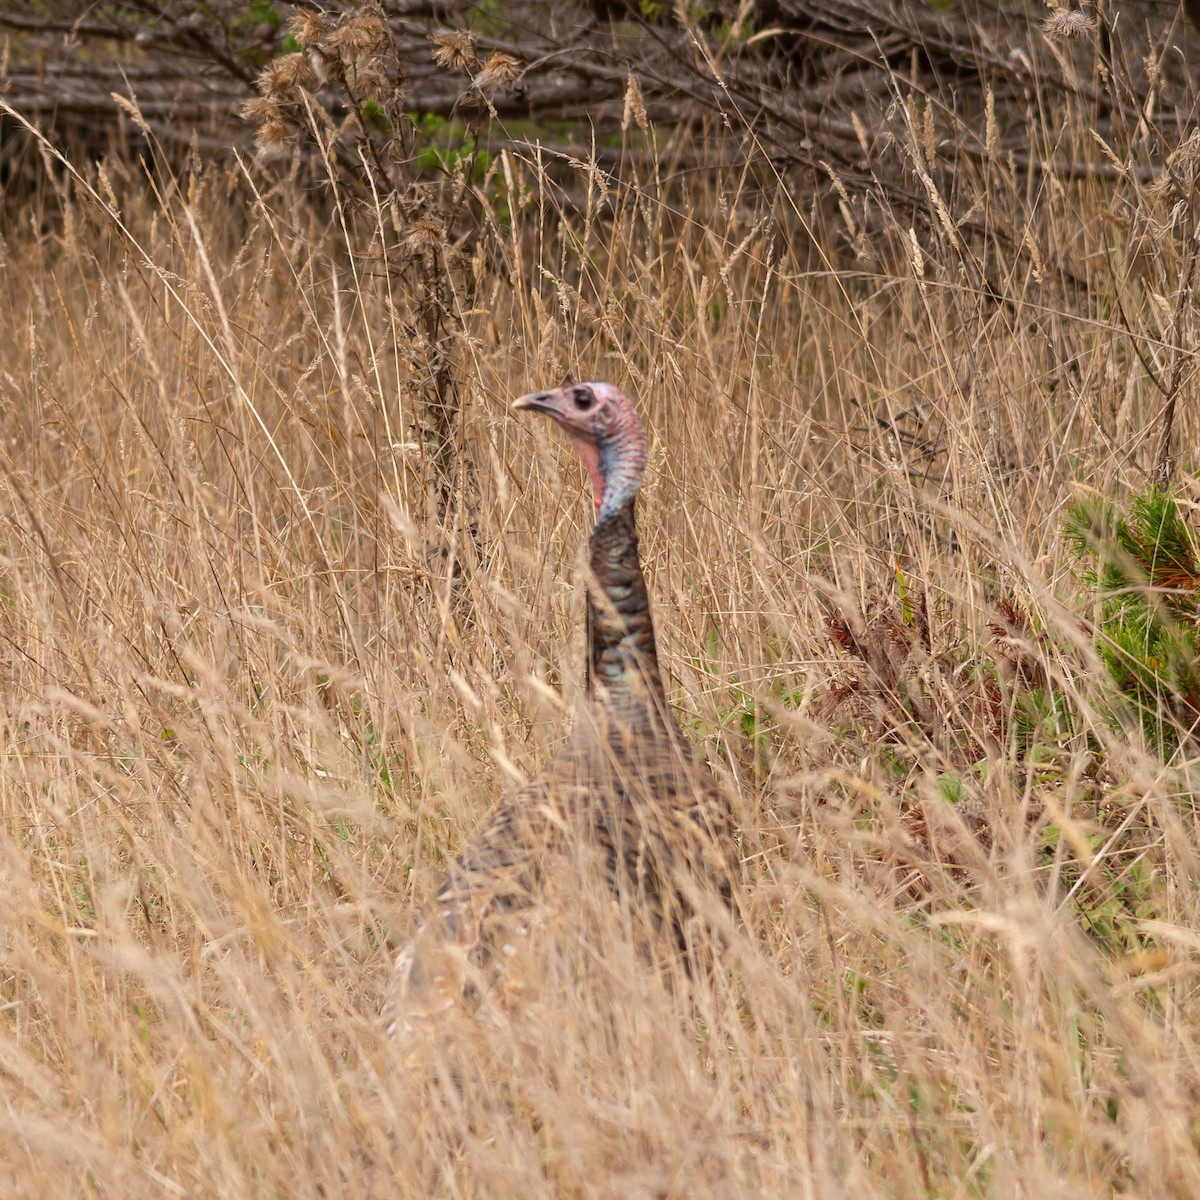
{"x":251,"y":705}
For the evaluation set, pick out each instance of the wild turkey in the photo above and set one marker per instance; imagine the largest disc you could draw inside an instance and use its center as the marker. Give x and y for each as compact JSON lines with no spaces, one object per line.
{"x":626,"y":783}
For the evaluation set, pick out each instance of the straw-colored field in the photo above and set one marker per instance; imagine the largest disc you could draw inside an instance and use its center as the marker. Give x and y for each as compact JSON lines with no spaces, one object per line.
{"x":257,"y":691}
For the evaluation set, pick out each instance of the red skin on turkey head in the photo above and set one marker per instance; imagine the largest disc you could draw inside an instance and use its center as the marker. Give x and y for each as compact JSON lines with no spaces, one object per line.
{"x":603,"y":426}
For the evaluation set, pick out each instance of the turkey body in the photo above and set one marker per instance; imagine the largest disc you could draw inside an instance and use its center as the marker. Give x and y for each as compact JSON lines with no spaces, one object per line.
{"x":626,"y":800}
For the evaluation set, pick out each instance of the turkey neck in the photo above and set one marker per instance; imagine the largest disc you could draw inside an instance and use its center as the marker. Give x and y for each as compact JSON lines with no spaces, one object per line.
{"x":623,"y":673}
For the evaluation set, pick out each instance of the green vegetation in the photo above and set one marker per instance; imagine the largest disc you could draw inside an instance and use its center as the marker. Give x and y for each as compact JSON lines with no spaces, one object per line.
{"x":1145,"y":569}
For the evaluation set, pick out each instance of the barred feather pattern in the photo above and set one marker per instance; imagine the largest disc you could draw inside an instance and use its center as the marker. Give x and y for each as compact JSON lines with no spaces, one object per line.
{"x":627,"y":789}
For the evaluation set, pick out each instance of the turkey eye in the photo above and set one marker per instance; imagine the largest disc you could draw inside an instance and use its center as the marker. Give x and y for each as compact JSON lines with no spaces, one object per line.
{"x":583,"y":398}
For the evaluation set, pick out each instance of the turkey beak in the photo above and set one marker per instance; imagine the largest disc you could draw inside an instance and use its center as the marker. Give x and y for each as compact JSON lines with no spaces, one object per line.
{"x":543,"y":402}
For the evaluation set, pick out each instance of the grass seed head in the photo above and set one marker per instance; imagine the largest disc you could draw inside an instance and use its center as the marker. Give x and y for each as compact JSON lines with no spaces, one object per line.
{"x":635,"y":108}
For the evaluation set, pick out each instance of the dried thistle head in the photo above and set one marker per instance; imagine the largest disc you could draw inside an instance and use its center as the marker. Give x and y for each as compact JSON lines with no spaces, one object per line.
{"x":1178,"y":180}
{"x":426,"y":230}
{"x":1069,"y":23}
{"x":296,"y":69}
{"x":308,"y":27}
{"x":273,"y":140}
{"x":319,"y":62}
{"x":455,"y":51}
{"x":276,"y":79}
{"x":359,"y":36}
{"x":262,"y":109}
{"x":371,"y":82}
{"x":499,"y":71}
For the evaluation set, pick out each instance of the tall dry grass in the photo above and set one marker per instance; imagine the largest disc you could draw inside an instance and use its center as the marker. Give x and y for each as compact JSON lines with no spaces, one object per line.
{"x":259,"y":687}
